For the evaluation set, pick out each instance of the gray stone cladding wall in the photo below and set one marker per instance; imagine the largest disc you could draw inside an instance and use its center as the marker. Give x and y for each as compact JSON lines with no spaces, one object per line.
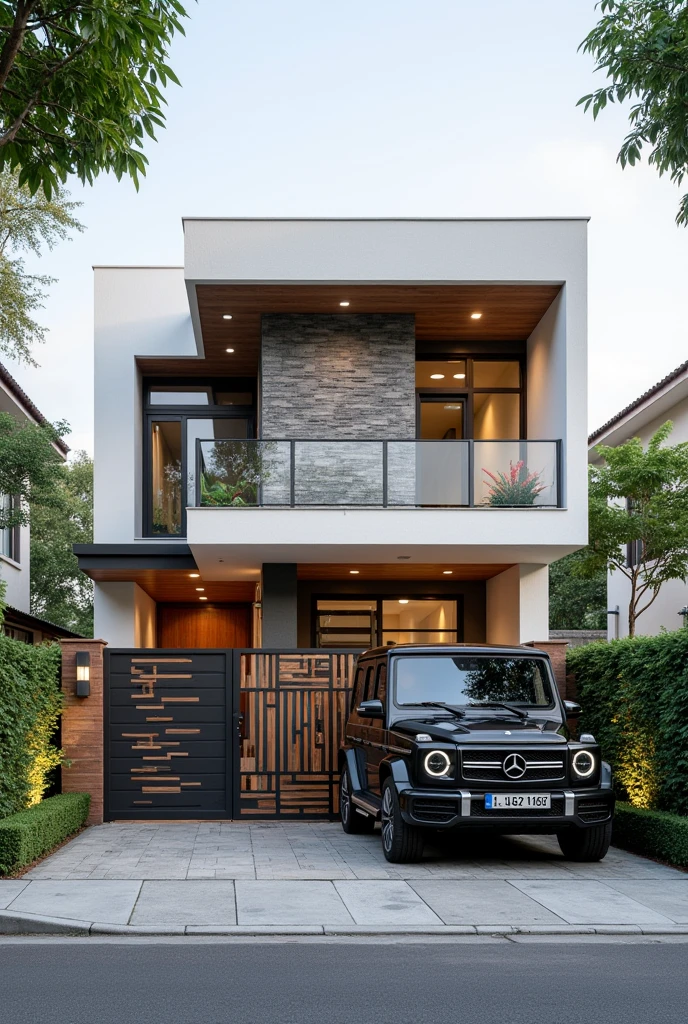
{"x":340,"y":378}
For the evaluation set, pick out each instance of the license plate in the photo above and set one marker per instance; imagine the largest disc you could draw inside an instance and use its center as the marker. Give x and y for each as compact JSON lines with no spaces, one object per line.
{"x":518,"y":801}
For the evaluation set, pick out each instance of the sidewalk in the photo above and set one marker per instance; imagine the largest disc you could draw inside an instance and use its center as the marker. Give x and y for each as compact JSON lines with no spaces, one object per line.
{"x":311,"y":878}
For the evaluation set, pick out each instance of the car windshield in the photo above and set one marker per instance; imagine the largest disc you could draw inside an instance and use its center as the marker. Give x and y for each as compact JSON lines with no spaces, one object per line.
{"x":462,"y":680}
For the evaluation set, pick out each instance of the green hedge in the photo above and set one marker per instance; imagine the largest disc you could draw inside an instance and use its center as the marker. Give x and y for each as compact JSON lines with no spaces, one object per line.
{"x":634,"y":694}
{"x":30,"y":707}
{"x":652,"y":833}
{"x":33,"y":832}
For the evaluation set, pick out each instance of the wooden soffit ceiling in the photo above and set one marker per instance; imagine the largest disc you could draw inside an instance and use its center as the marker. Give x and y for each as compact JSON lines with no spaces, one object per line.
{"x":442,"y":312}
{"x":177,"y":585}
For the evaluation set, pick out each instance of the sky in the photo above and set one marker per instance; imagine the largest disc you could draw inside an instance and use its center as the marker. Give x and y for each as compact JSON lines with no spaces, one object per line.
{"x":412,"y":108}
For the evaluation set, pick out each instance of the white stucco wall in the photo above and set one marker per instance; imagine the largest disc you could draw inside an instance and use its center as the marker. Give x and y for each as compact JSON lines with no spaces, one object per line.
{"x":17,"y":574}
{"x":517,"y":606}
{"x":124,"y":615}
{"x":139,"y":311}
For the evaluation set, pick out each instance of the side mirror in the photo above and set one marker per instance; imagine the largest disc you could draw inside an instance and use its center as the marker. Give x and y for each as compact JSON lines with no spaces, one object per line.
{"x":573,"y":710}
{"x":371,"y":709}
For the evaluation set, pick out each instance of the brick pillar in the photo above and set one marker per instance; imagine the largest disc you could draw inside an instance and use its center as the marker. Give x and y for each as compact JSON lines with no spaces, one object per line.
{"x":557,"y":653}
{"x":82,"y":726}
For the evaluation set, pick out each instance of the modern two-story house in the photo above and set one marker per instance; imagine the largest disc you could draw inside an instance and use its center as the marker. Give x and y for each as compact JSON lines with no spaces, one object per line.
{"x":328,"y":435}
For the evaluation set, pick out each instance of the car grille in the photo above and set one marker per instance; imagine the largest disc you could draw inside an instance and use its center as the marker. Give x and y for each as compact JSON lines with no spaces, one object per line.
{"x":435,"y":810}
{"x":478,"y":811}
{"x":486,"y":765}
{"x":593,"y":810}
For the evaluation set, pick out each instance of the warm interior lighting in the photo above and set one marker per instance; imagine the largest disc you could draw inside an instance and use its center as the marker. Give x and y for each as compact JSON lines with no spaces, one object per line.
{"x":447,"y":572}
{"x":459,"y":376}
{"x":229,"y":350}
{"x":436,"y":376}
{"x":194,"y":575}
{"x":475,"y":316}
{"x":203,"y":599}
{"x":403,"y":600}
{"x":354,"y":572}
{"x":200,"y":588}
{"x":343,"y":303}
{"x":226,"y":316}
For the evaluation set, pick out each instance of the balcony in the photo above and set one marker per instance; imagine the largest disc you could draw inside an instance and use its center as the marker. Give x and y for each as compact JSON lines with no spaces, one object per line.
{"x":378,"y":474}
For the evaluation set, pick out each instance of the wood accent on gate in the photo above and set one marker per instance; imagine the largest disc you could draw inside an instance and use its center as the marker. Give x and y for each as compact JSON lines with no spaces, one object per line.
{"x":82,"y":726}
{"x":293,"y":709}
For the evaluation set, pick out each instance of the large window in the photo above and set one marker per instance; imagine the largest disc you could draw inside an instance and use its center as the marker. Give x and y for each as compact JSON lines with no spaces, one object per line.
{"x":9,"y":537}
{"x":386,"y":621}
{"x":179,"y":415}
{"x":470,"y":398}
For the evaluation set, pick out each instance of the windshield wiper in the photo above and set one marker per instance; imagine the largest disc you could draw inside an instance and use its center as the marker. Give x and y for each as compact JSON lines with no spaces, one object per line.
{"x":456,"y":712}
{"x":499,"y":704}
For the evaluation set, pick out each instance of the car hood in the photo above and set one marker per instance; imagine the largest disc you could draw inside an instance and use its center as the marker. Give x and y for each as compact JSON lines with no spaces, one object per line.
{"x":486,"y":730}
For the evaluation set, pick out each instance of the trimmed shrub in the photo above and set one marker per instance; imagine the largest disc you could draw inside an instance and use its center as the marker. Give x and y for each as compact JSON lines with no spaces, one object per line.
{"x":634,"y":694}
{"x":30,"y":706}
{"x":33,"y":832}
{"x":652,"y":833}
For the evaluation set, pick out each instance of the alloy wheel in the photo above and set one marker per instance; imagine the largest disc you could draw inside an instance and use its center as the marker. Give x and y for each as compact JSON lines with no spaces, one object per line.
{"x":387,"y":819}
{"x":344,"y":798}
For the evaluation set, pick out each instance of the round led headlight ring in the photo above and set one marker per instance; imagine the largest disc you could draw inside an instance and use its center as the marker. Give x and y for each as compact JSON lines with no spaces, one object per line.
{"x":583,"y":764}
{"x":437,"y":763}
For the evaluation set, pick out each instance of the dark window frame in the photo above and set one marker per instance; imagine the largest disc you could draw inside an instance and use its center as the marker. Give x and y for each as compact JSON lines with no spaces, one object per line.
{"x":379,"y":598}
{"x":15,"y":552}
{"x":467,"y":390}
{"x":178,"y":413}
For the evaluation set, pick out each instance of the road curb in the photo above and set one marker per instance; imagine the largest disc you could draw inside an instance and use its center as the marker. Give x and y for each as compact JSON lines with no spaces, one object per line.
{"x":35,"y":924}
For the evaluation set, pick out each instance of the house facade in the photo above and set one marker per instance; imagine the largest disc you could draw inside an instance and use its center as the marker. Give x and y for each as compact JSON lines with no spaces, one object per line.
{"x":666,"y":400}
{"x":317,"y":437}
{"x":15,"y":543}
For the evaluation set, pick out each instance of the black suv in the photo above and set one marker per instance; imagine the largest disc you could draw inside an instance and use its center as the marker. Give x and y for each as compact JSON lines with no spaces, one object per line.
{"x":459,"y":736}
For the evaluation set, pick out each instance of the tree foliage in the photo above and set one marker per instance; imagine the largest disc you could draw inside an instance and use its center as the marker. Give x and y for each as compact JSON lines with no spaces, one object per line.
{"x":60,"y":591}
{"x":643,"y":47}
{"x":27,"y":223}
{"x":638,"y":499}
{"x":29,"y":467}
{"x":81,"y":85}
{"x":576,"y":601}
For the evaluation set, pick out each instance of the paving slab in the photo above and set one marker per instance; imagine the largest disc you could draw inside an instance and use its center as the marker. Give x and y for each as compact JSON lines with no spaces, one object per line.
{"x":585,"y":902}
{"x":482,"y":903}
{"x":188,"y":902}
{"x":266,"y":902}
{"x":86,"y":900}
{"x":385,"y":903}
{"x":10,"y":889}
{"x":666,"y":896}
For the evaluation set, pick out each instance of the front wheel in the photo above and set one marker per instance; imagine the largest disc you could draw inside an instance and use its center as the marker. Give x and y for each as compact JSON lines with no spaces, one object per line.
{"x":586,"y":844}
{"x":352,"y":822}
{"x":401,"y":843}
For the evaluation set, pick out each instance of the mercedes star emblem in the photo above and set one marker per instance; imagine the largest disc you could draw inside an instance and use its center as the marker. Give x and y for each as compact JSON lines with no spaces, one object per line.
{"x":514,"y":766}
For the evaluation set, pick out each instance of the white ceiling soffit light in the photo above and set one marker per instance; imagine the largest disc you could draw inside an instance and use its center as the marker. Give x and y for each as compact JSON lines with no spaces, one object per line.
{"x":436,"y":376}
{"x":476,"y":316}
{"x":226,"y":316}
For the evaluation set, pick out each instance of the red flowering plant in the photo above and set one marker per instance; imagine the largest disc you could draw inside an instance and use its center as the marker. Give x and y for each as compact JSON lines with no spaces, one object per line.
{"x":517,"y":487}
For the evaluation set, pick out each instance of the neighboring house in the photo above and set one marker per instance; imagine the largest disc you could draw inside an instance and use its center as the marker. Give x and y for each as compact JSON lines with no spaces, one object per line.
{"x":667,"y":400}
{"x":15,"y":544}
{"x":312,"y":435}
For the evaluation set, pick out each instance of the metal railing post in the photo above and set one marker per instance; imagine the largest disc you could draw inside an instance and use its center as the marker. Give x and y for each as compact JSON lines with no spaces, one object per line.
{"x":384,"y":474}
{"x":292,"y":473}
{"x":471,"y":470}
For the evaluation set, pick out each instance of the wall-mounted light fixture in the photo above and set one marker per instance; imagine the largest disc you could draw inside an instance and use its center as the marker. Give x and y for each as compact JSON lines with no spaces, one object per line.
{"x":83,"y":674}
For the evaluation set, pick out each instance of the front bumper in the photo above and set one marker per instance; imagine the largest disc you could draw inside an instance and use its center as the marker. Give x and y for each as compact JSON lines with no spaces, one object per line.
{"x":581,"y":808}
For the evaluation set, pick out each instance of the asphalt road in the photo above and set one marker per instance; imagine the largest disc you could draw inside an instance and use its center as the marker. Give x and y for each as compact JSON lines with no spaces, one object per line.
{"x":136,"y":983}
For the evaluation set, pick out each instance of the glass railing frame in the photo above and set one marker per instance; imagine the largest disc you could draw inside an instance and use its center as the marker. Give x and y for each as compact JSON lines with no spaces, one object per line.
{"x":385,"y":442}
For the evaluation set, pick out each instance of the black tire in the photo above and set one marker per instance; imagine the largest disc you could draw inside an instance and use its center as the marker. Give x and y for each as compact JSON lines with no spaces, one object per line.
{"x":586,"y":844}
{"x":352,"y":822}
{"x":401,"y":843}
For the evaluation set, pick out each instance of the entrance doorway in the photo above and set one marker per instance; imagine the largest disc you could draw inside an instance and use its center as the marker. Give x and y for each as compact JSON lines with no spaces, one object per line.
{"x":384,"y":621}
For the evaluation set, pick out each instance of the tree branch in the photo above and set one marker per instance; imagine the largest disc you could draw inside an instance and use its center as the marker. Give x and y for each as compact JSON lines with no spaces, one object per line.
{"x":15,"y":38}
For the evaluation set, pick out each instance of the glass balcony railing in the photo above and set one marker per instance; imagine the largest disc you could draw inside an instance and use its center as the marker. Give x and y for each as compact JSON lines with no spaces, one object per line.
{"x":425,"y":474}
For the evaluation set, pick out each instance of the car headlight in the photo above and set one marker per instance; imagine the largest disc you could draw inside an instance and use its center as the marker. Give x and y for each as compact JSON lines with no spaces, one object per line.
{"x":437,"y":763}
{"x":584,"y":764}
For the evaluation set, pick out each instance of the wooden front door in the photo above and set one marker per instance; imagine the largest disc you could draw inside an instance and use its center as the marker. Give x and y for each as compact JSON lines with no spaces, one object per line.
{"x":204,"y":625}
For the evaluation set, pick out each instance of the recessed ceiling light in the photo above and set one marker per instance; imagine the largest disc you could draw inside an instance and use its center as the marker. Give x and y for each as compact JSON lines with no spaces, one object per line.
{"x":226,"y":316}
{"x":447,"y":572}
{"x":343,"y":303}
{"x":403,"y":600}
{"x":229,"y":350}
{"x":354,"y":572}
{"x":200,"y":588}
{"x":459,"y":376}
{"x":194,"y":575}
{"x":436,"y":376}
{"x":453,"y":407}
{"x":475,"y":316}
{"x":203,"y":599}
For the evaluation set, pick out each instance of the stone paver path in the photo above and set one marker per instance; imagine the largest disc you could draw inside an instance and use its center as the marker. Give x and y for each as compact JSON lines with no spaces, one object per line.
{"x":301,"y":874}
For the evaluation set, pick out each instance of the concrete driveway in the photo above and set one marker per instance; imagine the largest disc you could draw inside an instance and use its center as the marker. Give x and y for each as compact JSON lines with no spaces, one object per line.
{"x":233,"y":876}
